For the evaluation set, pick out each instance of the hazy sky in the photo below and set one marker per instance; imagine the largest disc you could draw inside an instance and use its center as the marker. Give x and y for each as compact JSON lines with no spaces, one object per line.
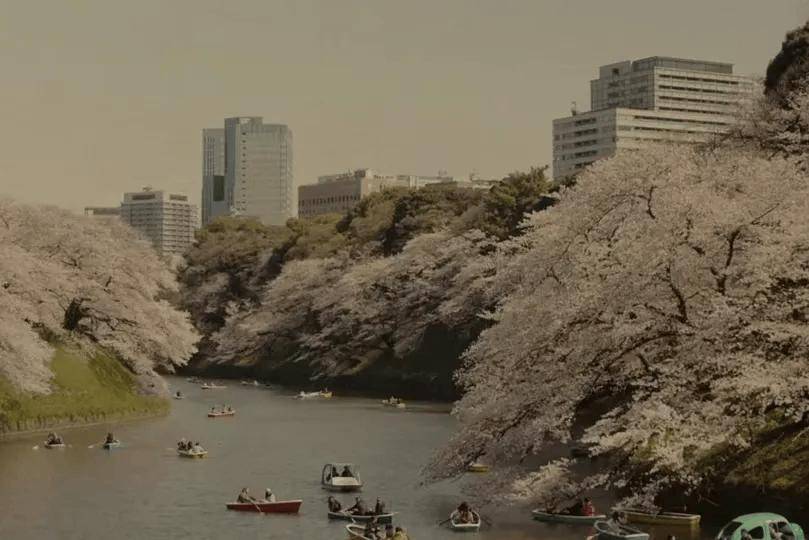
{"x":105,"y":96}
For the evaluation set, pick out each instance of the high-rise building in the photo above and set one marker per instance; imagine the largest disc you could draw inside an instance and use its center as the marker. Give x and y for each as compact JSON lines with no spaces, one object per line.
{"x":657,"y":99}
{"x":247,"y":171}
{"x":166,"y":219}
{"x":102,"y":211}
{"x":214,"y":192}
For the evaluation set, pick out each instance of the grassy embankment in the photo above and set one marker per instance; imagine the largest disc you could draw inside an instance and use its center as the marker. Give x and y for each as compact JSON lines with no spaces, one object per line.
{"x":85,"y":390}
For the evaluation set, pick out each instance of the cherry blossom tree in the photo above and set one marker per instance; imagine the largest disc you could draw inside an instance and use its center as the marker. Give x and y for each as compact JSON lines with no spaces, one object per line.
{"x":667,"y":288}
{"x":88,"y":282}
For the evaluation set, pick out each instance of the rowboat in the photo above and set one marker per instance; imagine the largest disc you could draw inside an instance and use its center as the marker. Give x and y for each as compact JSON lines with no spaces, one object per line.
{"x":278,"y":507}
{"x":550,"y":517}
{"x":638,"y":515}
{"x":192,"y":453}
{"x":332,"y":479}
{"x":477,"y":467}
{"x":456,"y":524}
{"x":221,"y":413}
{"x":111,"y":445}
{"x":608,"y":531}
{"x":394,"y":402}
{"x":346,"y":516}
{"x":54,"y":445}
{"x":314,"y":395}
{"x":357,"y":532}
{"x":212,"y":386}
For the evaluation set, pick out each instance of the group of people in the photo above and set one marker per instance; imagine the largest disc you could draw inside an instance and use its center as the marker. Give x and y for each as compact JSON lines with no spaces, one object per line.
{"x":375,"y":532}
{"x":465,"y":513}
{"x":188,"y":446}
{"x":582,"y":507}
{"x":245,"y":497}
{"x":346,"y":473}
{"x":222,"y":409}
{"x":53,"y":438}
{"x":359,"y":508}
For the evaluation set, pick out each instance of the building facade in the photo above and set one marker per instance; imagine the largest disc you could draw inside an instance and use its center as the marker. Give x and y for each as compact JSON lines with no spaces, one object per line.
{"x":102,"y":211}
{"x":339,"y":193}
{"x":166,"y":219}
{"x":657,"y":99}
{"x":247,"y":171}
{"x":214,"y":192}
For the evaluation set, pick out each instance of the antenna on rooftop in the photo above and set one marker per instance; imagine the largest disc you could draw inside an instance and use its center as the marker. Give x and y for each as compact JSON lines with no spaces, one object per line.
{"x":574,"y":109}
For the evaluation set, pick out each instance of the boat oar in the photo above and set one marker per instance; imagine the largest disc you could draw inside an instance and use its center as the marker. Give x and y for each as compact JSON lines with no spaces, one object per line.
{"x":442,"y":522}
{"x":260,"y":511}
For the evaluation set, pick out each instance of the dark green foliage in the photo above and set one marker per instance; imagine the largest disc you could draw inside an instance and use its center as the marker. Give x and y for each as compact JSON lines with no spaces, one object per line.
{"x":506,"y":204}
{"x":790,"y":67}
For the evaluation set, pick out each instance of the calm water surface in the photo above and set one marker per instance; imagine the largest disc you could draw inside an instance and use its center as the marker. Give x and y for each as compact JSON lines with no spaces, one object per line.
{"x":144,"y":490}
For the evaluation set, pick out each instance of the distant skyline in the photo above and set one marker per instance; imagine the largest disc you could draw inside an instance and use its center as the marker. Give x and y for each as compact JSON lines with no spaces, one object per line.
{"x":104,"y":97}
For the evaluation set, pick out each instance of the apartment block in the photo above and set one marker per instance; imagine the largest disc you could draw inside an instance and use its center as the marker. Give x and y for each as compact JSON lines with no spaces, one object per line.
{"x":657,"y":99}
{"x":166,"y":219}
{"x":214,"y":193}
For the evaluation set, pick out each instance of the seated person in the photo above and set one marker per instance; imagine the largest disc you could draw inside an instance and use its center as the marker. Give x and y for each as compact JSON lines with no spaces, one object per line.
{"x":110,"y":439}
{"x":379,"y":507}
{"x":269,"y":496}
{"x":399,"y":534}
{"x":197,"y":447}
{"x":334,"y":504}
{"x":346,"y":472}
{"x":588,"y":509}
{"x":245,"y":497}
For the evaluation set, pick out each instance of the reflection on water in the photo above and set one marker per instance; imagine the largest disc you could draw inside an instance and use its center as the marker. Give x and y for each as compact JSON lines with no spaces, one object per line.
{"x":143,"y":490}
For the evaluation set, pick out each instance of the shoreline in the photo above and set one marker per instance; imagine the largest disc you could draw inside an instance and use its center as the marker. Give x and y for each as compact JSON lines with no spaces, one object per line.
{"x":11,"y":435}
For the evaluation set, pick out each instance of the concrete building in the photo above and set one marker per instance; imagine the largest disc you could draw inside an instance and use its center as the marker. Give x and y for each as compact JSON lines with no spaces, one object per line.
{"x":247,"y":171}
{"x":167,"y":219}
{"x":338,"y":193}
{"x":102,"y":211}
{"x":657,"y":99}
{"x":214,"y":192}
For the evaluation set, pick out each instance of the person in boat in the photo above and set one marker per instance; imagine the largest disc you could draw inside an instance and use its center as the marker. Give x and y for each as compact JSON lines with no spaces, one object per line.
{"x":333,"y":471}
{"x":334,"y":504}
{"x":359,"y":507}
{"x":615,"y":522}
{"x":51,"y":438}
{"x":745,"y":534}
{"x":269,"y":496}
{"x":465,"y":514}
{"x":110,"y":439}
{"x":230,"y":409}
{"x":245,"y":497}
{"x":372,"y":530}
{"x":347,"y":472}
{"x":388,"y":531}
{"x":197,"y":447}
{"x":775,"y":534}
{"x":379,"y":507}
{"x":576,"y":509}
{"x":399,"y":534}
{"x":588,"y":508}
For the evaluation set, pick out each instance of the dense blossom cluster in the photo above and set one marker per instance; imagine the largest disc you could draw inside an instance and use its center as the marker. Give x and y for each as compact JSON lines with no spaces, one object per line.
{"x":74,"y":279}
{"x":671,"y":284}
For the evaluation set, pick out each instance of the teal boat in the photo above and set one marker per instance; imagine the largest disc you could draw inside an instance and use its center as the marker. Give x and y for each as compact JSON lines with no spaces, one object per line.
{"x":759,"y":526}
{"x":550,"y":517}
{"x":610,"y":531}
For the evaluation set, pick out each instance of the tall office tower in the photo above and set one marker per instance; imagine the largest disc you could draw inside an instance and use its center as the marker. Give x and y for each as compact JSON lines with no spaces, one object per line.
{"x":166,"y":219}
{"x":214,"y":193}
{"x":657,"y":99}
{"x":258,"y":169}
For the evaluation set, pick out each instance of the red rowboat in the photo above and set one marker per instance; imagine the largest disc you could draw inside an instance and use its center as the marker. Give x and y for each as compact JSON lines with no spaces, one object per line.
{"x":279,"y":507}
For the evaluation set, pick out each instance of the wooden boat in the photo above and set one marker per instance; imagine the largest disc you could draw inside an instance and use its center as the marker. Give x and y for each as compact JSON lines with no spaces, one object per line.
{"x":477,"y":467}
{"x":332,"y":482}
{"x":550,"y":517}
{"x":54,"y":445}
{"x":212,"y":386}
{"x":111,"y":445}
{"x":380,"y":518}
{"x":217,"y":414}
{"x":394,"y":402}
{"x":619,"y":532}
{"x":649,"y":517}
{"x":192,"y":453}
{"x":263,"y":507}
{"x":314,"y":395}
{"x":456,"y":524}
{"x":357,"y":532}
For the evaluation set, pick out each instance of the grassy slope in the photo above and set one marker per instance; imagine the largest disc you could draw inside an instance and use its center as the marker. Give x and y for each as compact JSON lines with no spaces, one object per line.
{"x":84,"y":390}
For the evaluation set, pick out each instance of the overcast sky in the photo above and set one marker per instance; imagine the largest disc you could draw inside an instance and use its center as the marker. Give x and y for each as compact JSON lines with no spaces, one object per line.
{"x":104,"y":96}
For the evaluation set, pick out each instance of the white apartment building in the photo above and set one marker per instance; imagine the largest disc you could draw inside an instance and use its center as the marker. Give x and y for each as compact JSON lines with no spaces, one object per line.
{"x":166,"y":219}
{"x":657,"y":99}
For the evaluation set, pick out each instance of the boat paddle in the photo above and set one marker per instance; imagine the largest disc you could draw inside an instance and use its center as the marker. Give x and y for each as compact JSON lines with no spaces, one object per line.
{"x":446,"y":520}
